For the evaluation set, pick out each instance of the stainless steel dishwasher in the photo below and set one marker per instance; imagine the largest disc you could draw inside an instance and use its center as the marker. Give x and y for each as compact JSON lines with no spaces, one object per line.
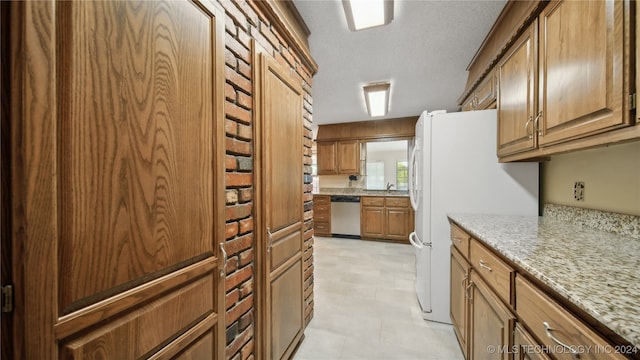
{"x":345,"y":216}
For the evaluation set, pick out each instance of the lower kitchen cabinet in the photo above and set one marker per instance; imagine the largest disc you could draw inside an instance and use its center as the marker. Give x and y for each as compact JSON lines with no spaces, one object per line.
{"x":322,"y":215}
{"x":387,"y":218}
{"x":525,"y":347}
{"x":490,"y":321}
{"x":459,"y":305}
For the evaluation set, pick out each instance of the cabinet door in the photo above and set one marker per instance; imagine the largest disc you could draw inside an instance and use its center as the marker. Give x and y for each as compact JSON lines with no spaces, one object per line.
{"x":327,"y":164}
{"x":582,"y":69}
{"x":516,"y":95}
{"x":398,"y":223}
{"x":372,"y":222}
{"x":348,"y":157}
{"x":459,"y":305}
{"x":485,"y":95}
{"x":491,"y":323}
{"x":525,"y":347}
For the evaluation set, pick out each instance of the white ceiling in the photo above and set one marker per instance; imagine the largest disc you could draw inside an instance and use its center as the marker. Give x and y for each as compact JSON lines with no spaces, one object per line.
{"x":424,"y":52}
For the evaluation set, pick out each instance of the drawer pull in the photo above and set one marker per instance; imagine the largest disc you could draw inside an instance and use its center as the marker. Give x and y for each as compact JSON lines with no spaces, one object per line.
{"x":457,"y":240}
{"x":548,"y":329}
{"x":270,"y":240}
{"x":485,"y":266}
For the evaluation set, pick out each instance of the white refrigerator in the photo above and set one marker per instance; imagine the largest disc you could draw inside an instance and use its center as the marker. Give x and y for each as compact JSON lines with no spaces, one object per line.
{"x":453,"y":168}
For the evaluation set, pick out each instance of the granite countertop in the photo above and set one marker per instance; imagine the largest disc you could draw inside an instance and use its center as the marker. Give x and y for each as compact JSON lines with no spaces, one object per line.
{"x":361,"y":192}
{"x":598,"y":271}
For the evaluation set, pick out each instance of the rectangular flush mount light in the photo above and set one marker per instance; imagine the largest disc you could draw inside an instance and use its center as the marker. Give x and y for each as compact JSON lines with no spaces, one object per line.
{"x":364,"y":14}
{"x":377,"y":98}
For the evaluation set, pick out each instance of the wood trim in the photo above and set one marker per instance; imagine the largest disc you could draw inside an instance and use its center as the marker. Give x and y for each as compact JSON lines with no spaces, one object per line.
{"x":388,"y":129}
{"x":291,"y":26}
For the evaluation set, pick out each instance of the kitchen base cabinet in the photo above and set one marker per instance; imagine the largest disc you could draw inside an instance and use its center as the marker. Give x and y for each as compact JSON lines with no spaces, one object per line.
{"x":491,"y":323}
{"x":459,"y":305}
{"x":322,"y":215}
{"x":525,"y":347}
{"x":386,"y":218}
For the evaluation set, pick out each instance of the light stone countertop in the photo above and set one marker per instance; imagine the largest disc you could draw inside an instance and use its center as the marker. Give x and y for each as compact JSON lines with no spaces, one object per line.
{"x":361,"y":192}
{"x":597,"y":271}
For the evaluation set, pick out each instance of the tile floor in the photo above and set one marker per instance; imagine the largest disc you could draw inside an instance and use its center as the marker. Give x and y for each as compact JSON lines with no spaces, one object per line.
{"x":366,"y":308}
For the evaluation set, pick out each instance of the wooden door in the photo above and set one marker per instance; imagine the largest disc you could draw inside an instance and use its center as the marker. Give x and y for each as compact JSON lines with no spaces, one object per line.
{"x":491,"y":323}
{"x":372,"y":222}
{"x":281,"y":244}
{"x":523,"y":343}
{"x":583,"y":85}
{"x":117,"y":202}
{"x":458,"y":300}
{"x":348,"y":157}
{"x":516,"y":95}
{"x":326,"y":152}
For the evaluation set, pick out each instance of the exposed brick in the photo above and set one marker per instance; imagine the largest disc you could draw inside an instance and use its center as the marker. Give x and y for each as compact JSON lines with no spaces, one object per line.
{"x":246,"y":257}
{"x":235,"y":112}
{"x":230,"y":127}
{"x":234,"y":13}
{"x":237,"y":278}
{"x":238,"y":179}
{"x":235,"y":246}
{"x":237,"y":80}
{"x":245,"y":320}
{"x":260,"y":14}
{"x":237,"y":212}
{"x":245,"y":101}
{"x":241,"y":307}
{"x":246,"y":288}
{"x":251,"y":15}
{"x":262,"y":41}
{"x":245,"y":39}
{"x":230,"y":59}
{"x":246,"y":225}
{"x":231,"y":230}
{"x":237,"y":48}
{"x":229,"y":26}
{"x":231,"y":298}
{"x":239,"y":147}
{"x":232,"y":332}
{"x":270,"y":36}
{"x":247,"y":350}
{"x":230,"y":93}
{"x":244,"y":163}
{"x":232,"y":265}
{"x":230,"y":163}
{"x":246,"y":195}
{"x":239,"y":341}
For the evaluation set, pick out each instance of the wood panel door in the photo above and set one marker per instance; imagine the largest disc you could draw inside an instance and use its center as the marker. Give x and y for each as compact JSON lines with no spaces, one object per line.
{"x":399,"y":223}
{"x":583,"y":69}
{"x":281,"y":201}
{"x":372,"y":222}
{"x":117,"y":202}
{"x":516,"y":95}
{"x":459,"y":305}
{"x":348,"y":157}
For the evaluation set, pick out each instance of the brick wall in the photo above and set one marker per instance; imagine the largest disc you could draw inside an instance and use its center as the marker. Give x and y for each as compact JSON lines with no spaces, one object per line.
{"x":244,"y":22}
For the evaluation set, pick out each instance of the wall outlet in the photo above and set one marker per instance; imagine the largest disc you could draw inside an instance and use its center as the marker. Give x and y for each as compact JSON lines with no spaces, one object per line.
{"x":578,"y":190}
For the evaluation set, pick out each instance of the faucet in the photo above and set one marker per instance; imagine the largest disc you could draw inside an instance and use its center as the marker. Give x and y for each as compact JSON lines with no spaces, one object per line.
{"x":389,"y":186}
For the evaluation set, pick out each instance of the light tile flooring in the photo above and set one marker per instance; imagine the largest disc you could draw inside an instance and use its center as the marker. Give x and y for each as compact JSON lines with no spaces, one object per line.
{"x":366,"y":307}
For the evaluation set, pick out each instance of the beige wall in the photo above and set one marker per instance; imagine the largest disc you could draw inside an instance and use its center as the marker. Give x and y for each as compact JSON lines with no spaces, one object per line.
{"x":611,"y":176}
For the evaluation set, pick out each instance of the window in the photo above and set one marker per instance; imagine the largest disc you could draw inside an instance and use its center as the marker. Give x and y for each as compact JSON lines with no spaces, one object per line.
{"x":375,"y":175}
{"x":315,"y":181}
{"x":402,"y":175}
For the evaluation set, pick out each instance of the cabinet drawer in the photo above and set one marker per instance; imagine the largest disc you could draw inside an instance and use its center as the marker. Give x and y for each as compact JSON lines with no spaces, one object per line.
{"x":322,"y":200}
{"x":322,"y":228}
{"x":460,"y":240}
{"x":397,"y":202}
{"x":372,"y":201}
{"x":536,"y":308}
{"x":322,"y":217}
{"x":321,"y":209}
{"x":495,"y":271}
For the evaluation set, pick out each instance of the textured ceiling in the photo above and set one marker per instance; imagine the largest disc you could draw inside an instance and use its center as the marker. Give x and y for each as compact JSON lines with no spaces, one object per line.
{"x":424,"y":52}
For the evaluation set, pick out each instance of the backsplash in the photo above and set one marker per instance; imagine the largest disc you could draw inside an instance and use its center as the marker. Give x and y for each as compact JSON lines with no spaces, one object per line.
{"x":622,"y":224}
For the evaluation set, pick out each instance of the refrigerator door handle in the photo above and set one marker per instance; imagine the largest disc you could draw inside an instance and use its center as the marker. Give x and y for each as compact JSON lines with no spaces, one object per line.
{"x":413,"y":180}
{"x":417,"y":243}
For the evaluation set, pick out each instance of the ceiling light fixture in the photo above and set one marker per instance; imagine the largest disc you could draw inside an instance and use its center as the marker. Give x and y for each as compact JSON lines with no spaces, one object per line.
{"x":377,"y":98}
{"x":364,"y":14}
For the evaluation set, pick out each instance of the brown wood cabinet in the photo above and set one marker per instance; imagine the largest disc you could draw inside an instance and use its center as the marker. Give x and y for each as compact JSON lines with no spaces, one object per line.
{"x":565,"y":78}
{"x":485,"y":291}
{"x":322,"y":215}
{"x":340,"y":157}
{"x":388,"y":218}
{"x":484,"y":97}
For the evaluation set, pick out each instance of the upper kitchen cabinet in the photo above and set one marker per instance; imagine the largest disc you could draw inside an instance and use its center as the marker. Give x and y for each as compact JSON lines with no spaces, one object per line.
{"x":339,"y":157}
{"x":583,"y":89}
{"x":484,"y":97}
{"x":565,"y":76}
{"x":516,"y":100}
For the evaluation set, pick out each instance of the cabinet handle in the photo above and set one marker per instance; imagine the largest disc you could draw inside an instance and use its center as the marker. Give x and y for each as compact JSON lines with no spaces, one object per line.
{"x":224,"y":260}
{"x":270,"y":240}
{"x":464,"y":280}
{"x":526,"y":127}
{"x":536,"y":123}
{"x":466,"y":291}
{"x":548,"y":329}
{"x":457,"y":240}
{"x":485,"y":266}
